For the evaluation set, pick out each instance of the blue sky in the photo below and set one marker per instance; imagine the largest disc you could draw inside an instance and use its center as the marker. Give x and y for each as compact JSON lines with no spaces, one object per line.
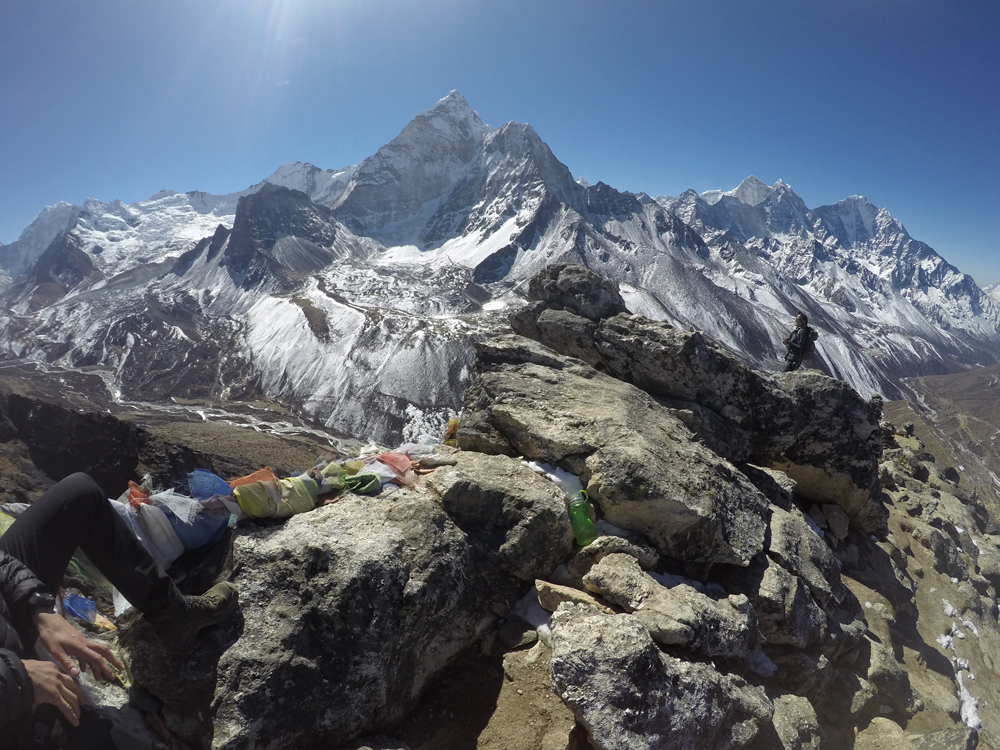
{"x":897,"y":100}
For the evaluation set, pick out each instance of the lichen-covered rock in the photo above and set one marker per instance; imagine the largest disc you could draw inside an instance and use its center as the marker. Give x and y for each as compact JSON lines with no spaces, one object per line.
{"x":507,"y":510}
{"x":890,"y":680}
{"x":606,"y":545}
{"x":567,"y":286}
{"x":801,"y":551}
{"x":988,"y":562}
{"x":795,"y":724}
{"x":786,"y":612}
{"x":630,"y":696}
{"x":680,"y":615}
{"x":345,"y":614}
{"x":826,"y":438}
{"x":637,"y":460}
{"x":815,"y":428}
{"x":551,"y":595}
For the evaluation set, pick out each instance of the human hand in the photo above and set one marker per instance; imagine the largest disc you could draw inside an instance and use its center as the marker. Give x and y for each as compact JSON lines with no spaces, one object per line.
{"x":51,"y":685}
{"x":64,"y":642}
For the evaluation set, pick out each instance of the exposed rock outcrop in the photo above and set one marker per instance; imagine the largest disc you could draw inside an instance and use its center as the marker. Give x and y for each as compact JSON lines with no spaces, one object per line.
{"x":630,"y":695}
{"x":639,"y":462}
{"x":814,"y":428}
{"x":726,"y":604}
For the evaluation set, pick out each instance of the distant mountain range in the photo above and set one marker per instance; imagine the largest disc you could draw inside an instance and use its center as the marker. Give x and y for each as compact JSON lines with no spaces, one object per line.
{"x":353,"y":294}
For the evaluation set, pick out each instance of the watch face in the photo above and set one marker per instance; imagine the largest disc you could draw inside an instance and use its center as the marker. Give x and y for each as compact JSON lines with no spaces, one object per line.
{"x":42,"y":600}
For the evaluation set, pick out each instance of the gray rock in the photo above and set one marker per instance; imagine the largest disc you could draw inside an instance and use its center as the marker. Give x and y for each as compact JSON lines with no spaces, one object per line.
{"x":680,"y":615}
{"x":957,"y":738}
{"x":826,"y":438}
{"x":718,"y":434}
{"x":947,"y":560}
{"x":507,"y":510}
{"x":801,"y":551}
{"x":837,"y":520}
{"x":777,"y":486}
{"x":352,"y":607}
{"x":515,"y":633}
{"x":603,"y":546}
{"x":551,"y":595}
{"x":815,"y":428}
{"x":629,"y":695}
{"x":802,"y":672}
{"x":575,"y":333}
{"x":891,"y":681}
{"x":988,"y":562}
{"x":637,"y":460}
{"x":795,"y":724}
{"x":577,"y":289}
{"x":849,"y":700}
{"x":876,"y":568}
{"x":786,"y":612}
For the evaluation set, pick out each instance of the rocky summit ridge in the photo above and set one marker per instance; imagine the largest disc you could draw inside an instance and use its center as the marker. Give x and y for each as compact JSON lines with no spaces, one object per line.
{"x":364,"y":274}
{"x":777,"y":568}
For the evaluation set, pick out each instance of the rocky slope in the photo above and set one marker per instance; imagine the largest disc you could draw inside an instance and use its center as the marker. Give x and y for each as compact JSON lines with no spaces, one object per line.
{"x":776,"y":568}
{"x":327,"y":289}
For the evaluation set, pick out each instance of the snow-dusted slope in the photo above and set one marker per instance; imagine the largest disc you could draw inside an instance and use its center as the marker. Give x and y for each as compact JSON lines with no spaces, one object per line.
{"x":353,"y":294}
{"x":120,"y":236}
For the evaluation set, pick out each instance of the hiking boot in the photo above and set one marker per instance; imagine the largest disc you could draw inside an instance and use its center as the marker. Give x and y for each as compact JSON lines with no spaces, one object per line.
{"x":214,"y":606}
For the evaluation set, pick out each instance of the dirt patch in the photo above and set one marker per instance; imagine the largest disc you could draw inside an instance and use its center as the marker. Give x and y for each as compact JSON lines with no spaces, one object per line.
{"x":498,"y":702}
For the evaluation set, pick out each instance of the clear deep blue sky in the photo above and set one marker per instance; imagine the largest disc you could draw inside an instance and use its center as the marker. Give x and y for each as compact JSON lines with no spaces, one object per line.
{"x":897,"y":100}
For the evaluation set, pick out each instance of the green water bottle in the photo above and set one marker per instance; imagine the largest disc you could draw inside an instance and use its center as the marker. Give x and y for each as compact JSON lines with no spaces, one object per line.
{"x":581,"y":518}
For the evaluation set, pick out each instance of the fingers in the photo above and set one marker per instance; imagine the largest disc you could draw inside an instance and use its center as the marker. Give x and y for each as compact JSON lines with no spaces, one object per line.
{"x":64,"y":642}
{"x":107,"y":655}
{"x":72,"y":699}
{"x":67,"y":662}
{"x":56,"y":688}
{"x":97,"y":657}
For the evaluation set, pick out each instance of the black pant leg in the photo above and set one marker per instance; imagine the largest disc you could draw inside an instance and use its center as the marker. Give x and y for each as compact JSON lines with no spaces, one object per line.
{"x":76,"y":513}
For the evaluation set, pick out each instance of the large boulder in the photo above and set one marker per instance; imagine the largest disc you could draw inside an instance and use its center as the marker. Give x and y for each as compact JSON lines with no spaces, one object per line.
{"x":515,"y":515}
{"x":815,"y":428}
{"x":795,"y":724}
{"x":346,"y":613}
{"x":567,"y":286}
{"x":629,"y":695}
{"x":637,"y":460}
{"x":802,"y":551}
{"x":827,"y":438}
{"x":679,"y":615}
{"x":787,"y":614}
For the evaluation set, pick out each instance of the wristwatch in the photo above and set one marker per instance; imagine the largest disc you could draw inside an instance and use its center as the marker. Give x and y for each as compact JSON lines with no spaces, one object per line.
{"x":42,"y":602}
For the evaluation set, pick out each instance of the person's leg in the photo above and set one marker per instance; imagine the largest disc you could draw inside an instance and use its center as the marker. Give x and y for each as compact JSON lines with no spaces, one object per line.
{"x":76,"y":513}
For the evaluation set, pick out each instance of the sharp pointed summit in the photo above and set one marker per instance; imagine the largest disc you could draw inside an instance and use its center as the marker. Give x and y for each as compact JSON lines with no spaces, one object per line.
{"x":753,"y":191}
{"x":373,"y":278}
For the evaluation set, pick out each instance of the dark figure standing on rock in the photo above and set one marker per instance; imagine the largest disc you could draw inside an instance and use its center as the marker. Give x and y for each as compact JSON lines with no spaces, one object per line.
{"x":799,"y":343}
{"x":34,"y":553}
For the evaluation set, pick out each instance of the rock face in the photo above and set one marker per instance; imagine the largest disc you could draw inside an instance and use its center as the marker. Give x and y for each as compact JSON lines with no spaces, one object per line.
{"x":638,"y":461}
{"x":678,"y":615}
{"x":724,"y":605}
{"x":508,"y":511}
{"x":352,"y":607}
{"x":629,"y":695}
{"x":814,"y":428}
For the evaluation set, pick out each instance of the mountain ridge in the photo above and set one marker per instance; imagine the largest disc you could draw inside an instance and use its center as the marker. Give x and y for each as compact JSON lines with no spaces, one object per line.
{"x":442,"y":227}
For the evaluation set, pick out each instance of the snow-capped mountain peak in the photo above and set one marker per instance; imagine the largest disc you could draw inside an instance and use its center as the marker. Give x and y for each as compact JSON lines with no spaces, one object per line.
{"x":17,"y":257}
{"x":452,"y":117}
{"x":371,"y":276}
{"x":324,"y":186}
{"x":753,"y":191}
